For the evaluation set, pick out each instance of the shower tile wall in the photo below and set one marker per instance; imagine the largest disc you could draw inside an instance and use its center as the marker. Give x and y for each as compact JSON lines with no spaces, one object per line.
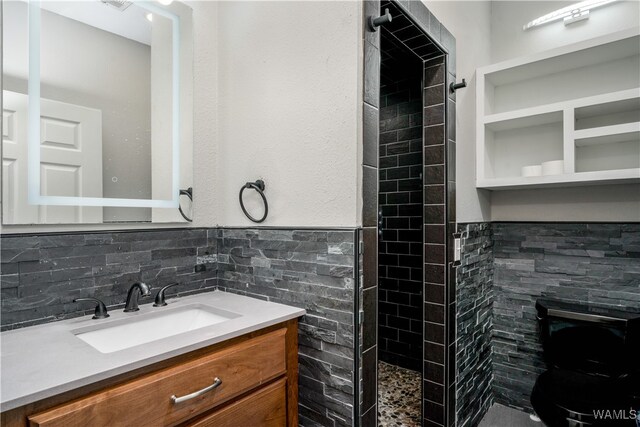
{"x":440,"y":285}
{"x":367,"y":412}
{"x":474,"y":324}
{"x":400,"y":199}
{"x":415,"y":28}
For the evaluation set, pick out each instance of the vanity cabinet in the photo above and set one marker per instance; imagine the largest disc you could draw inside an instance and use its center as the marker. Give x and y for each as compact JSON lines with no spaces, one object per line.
{"x":248,"y":381}
{"x":265,"y":407}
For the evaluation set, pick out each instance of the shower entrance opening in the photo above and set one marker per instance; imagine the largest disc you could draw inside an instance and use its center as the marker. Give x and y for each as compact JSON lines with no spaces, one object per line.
{"x":400,"y":246}
{"x":413,"y":208}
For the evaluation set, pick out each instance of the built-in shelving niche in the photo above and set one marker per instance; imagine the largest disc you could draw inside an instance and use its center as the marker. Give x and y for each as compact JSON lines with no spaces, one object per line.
{"x":579,"y":104}
{"x":607,"y":136}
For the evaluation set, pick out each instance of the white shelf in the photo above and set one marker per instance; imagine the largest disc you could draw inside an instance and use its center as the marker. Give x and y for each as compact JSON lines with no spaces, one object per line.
{"x":586,"y":107}
{"x":607,"y":134}
{"x":506,"y":121}
{"x":587,"y":53}
{"x":594,"y":67}
{"x":620,"y":110}
{"x":620,"y":176}
{"x":578,"y":103}
{"x":622,"y":102}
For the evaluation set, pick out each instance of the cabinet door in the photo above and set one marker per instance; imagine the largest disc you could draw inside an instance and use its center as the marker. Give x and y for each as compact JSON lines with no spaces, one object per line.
{"x":147,"y":401}
{"x":263,"y":408}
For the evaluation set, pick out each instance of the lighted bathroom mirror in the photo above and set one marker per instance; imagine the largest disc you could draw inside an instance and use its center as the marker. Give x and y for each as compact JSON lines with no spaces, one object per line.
{"x":97,"y":111}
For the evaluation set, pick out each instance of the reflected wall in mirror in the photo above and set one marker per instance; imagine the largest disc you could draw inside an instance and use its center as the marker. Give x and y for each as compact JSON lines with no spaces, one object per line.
{"x":97,"y":111}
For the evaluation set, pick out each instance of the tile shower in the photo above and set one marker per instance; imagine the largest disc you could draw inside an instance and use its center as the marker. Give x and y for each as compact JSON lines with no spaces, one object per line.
{"x":416,"y":31}
{"x":400,"y":249}
{"x":400,"y":261}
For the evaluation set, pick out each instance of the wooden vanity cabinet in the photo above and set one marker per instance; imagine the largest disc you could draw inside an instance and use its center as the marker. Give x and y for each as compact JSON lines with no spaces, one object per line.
{"x":252,"y":381}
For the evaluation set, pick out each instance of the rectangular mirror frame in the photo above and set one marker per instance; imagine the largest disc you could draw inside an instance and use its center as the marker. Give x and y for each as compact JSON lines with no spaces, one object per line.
{"x":34,"y":195}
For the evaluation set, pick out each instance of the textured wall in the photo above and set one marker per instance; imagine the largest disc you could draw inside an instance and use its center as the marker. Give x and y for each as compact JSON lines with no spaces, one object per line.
{"x":474,"y":324}
{"x":400,"y":199}
{"x":591,"y":263}
{"x":41,"y":275}
{"x":288,"y":89}
{"x":314,"y":270}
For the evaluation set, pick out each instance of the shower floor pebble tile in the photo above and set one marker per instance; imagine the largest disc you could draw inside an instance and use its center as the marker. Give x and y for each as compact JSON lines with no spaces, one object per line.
{"x":398,"y":396}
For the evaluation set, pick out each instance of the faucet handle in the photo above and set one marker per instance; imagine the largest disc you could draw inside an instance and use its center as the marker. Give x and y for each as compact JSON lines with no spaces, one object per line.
{"x":101,"y":309}
{"x":160,"y":302}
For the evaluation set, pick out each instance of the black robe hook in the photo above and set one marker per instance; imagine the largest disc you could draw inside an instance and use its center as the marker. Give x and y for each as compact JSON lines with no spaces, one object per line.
{"x":374,"y":23}
{"x":455,"y":86}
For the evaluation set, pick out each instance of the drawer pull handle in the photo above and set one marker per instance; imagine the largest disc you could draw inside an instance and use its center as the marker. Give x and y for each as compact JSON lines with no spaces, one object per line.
{"x":216,"y":383}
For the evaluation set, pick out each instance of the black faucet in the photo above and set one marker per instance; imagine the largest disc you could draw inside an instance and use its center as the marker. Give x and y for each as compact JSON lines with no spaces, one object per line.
{"x":101,"y":309}
{"x":160,"y":298}
{"x":137,"y":289}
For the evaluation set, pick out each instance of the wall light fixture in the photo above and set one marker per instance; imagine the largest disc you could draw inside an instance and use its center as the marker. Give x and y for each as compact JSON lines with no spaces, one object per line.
{"x":570,"y":14}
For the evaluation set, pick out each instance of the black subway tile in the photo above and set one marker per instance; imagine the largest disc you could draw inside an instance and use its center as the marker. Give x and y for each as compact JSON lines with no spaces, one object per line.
{"x":434,"y":135}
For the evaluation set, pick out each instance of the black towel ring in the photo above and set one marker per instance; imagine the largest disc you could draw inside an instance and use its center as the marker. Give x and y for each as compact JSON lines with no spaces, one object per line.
{"x":189,"y":193}
{"x":259,"y":187}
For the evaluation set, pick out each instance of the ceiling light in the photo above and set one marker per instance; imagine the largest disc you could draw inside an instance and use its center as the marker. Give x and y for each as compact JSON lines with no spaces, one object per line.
{"x":121,"y":5}
{"x":570,"y":14}
{"x":150,"y":17}
{"x":165,"y":2}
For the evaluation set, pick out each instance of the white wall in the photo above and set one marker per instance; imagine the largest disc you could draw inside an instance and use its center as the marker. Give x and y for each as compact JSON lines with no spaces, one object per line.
{"x":598,"y":203}
{"x":483,"y":39}
{"x":508,"y":40}
{"x":310,"y":176}
{"x":470,"y":24}
{"x":205,"y":113}
{"x":277,"y":96}
{"x":289,"y":96}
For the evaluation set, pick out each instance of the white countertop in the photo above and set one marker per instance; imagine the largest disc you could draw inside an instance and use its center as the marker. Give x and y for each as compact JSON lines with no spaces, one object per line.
{"x":45,"y":360}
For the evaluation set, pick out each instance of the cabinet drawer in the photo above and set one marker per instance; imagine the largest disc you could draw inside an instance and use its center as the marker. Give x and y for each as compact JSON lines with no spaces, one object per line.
{"x":266,"y":407}
{"x":148,"y":400}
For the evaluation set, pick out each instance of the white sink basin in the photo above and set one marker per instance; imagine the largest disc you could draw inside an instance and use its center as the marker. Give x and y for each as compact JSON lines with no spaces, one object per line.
{"x":144,"y":328}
